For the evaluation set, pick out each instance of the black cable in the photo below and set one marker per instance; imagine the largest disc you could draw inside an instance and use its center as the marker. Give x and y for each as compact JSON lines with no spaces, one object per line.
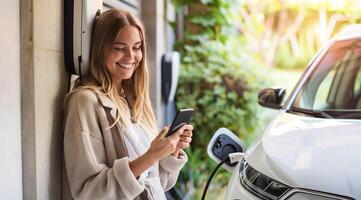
{"x":210,"y":177}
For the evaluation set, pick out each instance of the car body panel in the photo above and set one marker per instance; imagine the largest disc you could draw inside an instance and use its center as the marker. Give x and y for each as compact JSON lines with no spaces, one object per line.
{"x":235,"y":190}
{"x":325,"y":159}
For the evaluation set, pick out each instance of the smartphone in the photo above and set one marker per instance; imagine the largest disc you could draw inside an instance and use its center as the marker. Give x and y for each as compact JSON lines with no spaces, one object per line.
{"x":182,"y":117}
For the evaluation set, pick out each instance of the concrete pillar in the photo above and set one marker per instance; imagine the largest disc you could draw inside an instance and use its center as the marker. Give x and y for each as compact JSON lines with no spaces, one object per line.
{"x":153,"y":17}
{"x":43,"y":86}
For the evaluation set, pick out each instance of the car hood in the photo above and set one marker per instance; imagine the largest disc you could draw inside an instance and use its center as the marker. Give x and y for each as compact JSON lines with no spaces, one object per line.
{"x":311,"y":153}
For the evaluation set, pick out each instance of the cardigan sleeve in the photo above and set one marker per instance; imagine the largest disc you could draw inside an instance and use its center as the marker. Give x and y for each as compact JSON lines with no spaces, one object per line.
{"x":88,"y":175}
{"x":169,"y":169}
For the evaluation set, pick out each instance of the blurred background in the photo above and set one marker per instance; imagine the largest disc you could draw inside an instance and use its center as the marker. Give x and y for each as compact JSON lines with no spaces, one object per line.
{"x":230,"y":49}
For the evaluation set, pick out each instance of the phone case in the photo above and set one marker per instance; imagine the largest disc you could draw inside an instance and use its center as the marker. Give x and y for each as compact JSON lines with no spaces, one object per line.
{"x":182,"y":117}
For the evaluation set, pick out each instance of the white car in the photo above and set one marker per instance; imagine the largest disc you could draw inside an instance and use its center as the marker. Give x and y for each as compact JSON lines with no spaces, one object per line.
{"x":312,"y":148}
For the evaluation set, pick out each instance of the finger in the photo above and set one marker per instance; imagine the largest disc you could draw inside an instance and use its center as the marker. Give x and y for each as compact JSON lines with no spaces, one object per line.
{"x":182,"y":129}
{"x":184,"y":145}
{"x":185,"y":139}
{"x":162,"y":132}
{"x":188,"y":127}
{"x":187,"y":133}
{"x":175,"y":136}
{"x":185,"y":136}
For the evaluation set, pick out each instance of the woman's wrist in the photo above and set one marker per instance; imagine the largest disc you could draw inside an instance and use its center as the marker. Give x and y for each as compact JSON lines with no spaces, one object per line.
{"x":176,"y":153}
{"x":150,"y":157}
{"x":142,"y":163}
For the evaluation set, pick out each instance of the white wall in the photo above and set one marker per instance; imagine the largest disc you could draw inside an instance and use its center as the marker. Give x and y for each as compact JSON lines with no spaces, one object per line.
{"x":10,"y":120}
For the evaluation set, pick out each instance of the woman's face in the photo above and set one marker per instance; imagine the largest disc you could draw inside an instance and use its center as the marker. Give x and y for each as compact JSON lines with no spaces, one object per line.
{"x":125,"y":55}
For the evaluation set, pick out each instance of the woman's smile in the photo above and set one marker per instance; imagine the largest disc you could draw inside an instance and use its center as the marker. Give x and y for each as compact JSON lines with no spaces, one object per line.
{"x":126,"y":65}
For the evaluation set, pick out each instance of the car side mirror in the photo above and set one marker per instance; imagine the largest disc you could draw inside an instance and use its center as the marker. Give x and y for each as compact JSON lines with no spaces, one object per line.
{"x":223,"y":143}
{"x":271,"y":98}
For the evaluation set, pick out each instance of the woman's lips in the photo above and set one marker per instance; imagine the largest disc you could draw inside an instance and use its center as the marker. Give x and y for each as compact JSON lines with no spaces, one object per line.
{"x":126,"y":66}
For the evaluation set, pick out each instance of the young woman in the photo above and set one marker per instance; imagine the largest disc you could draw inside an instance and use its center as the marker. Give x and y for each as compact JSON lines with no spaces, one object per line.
{"x":112,"y":147}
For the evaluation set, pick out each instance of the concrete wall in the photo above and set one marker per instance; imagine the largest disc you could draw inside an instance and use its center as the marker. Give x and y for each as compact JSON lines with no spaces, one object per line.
{"x":10,"y":132}
{"x":44,"y":83}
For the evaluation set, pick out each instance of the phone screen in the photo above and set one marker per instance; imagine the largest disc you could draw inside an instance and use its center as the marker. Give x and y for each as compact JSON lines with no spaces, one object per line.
{"x":182,"y":117}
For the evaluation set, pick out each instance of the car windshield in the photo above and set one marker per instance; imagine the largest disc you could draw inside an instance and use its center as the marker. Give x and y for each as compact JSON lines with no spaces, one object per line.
{"x":333,"y":89}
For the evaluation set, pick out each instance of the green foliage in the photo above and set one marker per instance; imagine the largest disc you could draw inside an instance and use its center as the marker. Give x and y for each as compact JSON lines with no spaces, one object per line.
{"x":219,"y":79}
{"x":222,"y":88}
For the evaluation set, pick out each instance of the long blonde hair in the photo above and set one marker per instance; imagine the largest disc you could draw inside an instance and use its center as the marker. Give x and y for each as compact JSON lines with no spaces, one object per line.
{"x":106,"y":28}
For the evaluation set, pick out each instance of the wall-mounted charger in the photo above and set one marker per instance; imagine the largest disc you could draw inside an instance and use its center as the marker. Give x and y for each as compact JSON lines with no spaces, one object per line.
{"x":223,"y":143}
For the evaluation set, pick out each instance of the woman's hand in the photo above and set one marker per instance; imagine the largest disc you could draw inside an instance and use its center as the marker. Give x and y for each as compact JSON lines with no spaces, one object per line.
{"x":185,"y":138}
{"x":162,"y":146}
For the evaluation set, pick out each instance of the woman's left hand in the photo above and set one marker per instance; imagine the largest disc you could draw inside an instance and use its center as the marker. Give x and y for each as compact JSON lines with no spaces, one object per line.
{"x":185,"y":139}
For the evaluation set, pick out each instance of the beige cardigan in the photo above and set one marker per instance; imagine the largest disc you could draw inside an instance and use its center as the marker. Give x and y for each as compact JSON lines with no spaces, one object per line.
{"x":92,"y":166}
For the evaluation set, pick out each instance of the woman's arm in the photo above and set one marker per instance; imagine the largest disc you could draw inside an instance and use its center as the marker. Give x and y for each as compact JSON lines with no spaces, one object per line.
{"x":90,"y":177}
{"x":142,"y":163}
{"x":89,"y":174}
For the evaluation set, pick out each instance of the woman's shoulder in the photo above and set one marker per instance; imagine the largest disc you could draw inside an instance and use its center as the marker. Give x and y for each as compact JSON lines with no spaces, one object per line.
{"x":83,"y":97}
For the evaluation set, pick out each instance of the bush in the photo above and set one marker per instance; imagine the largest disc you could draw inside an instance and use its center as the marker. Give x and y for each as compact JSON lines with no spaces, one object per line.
{"x":223,"y":88}
{"x":219,"y":79}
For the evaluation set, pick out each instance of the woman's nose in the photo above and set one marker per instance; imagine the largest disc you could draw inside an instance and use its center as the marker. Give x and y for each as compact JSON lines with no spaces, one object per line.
{"x":129,"y":53}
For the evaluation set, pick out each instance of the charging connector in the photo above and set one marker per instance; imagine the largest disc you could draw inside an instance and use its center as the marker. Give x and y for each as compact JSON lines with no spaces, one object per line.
{"x":235,"y":157}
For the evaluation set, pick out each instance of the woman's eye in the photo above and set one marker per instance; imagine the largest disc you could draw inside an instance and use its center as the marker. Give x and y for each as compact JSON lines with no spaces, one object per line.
{"x":119,"y":49}
{"x":137,"y":47}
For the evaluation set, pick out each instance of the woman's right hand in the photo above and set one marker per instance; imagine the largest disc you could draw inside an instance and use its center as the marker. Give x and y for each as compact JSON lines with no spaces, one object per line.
{"x":162,"y":146}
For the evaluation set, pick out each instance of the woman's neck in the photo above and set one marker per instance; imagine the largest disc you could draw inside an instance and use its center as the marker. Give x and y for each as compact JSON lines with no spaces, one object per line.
{"x":118,"y":86}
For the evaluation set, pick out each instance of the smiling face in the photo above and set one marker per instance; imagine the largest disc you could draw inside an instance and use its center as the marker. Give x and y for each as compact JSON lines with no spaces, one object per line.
{"x":125,"y":54}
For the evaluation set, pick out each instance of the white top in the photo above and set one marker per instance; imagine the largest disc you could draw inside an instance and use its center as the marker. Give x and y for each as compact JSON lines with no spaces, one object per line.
{"x":138,"y":145}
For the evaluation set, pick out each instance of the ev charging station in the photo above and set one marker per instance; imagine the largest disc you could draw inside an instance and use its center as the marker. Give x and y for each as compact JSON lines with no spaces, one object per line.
{"x":170,"y":74}
{"x":79,"y":16}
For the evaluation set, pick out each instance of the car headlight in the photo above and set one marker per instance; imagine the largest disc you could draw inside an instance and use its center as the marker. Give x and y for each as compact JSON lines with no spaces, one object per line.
{"x":260,"y":184}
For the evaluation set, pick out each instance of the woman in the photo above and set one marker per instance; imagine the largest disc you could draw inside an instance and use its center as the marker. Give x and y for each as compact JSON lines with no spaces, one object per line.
{"x":112,"y":148}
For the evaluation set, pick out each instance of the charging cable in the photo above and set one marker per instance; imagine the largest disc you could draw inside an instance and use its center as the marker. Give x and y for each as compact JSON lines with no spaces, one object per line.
{"x":232,"y":158}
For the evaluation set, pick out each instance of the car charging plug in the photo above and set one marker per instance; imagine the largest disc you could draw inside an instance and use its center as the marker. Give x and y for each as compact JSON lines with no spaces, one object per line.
{"x":235,"y":157}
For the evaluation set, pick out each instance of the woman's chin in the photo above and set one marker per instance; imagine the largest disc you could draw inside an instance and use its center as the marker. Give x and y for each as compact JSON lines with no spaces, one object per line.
{"x":126,"y":76}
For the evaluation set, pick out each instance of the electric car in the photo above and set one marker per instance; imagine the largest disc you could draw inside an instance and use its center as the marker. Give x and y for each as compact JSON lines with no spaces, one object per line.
{"x":311,"y":150}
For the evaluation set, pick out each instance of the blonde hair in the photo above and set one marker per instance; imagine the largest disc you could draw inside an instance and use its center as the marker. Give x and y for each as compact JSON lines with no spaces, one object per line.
{"x":106,"y":28}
